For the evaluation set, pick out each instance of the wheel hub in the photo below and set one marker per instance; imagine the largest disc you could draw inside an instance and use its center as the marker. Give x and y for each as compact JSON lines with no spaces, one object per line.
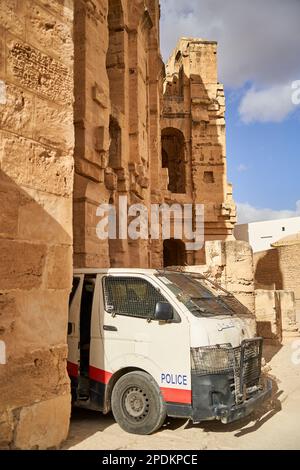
{"x":136,"y":403}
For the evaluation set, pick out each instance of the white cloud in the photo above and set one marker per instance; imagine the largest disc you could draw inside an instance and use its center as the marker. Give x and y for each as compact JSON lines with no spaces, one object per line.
{"x":248,"y":213}
{"x":273,"y":104}
{"x":242,"y":167}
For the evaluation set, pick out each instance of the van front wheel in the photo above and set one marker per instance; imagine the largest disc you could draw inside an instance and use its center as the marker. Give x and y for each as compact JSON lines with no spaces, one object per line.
{"x":137,"y":404}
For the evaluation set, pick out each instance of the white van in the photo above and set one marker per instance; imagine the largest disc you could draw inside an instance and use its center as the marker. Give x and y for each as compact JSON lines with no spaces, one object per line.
{"x":148,"y":344}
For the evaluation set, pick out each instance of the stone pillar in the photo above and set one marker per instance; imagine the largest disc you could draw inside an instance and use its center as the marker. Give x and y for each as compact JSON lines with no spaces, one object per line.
{"x":36,"y":180}
{"x":91,"y":117}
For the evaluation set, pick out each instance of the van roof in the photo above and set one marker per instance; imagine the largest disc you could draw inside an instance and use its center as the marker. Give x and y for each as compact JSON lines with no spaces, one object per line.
{"x":114,"y":270}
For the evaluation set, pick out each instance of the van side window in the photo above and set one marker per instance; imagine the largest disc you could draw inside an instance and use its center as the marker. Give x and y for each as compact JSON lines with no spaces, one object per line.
{"x":76,"y":281}
{"x":131,"y":296}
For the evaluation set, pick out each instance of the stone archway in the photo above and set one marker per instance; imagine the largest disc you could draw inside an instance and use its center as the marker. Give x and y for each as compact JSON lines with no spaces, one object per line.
{"x":174,"y":253}
{"x":173,"y":158}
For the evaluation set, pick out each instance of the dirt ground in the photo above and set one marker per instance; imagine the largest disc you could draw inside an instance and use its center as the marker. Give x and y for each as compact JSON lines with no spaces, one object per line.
{"x":274,"y":426}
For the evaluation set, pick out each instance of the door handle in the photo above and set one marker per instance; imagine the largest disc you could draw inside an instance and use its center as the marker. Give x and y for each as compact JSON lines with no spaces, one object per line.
{"x":109,"y":328}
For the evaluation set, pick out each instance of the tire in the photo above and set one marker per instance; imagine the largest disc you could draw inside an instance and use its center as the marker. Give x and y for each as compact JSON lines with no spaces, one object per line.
{"x":137,"y":404}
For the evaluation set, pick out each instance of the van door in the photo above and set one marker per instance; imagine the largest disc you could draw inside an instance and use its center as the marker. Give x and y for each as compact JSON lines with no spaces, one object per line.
{"x":73,"y":332}
{"x":133,"y":338}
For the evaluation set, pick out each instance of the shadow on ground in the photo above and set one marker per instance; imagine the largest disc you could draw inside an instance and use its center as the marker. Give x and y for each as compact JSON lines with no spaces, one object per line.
{"x":85,"y":423}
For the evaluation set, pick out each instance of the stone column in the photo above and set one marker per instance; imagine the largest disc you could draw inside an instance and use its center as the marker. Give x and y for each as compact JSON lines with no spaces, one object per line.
{"x":36,"y":181}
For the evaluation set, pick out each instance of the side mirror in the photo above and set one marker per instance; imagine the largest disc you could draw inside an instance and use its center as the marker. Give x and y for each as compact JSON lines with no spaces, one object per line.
{"x":163,"y":311}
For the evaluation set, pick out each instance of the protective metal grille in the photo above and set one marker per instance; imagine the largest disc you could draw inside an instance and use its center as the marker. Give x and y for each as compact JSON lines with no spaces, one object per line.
{"x":130,"y":296}
{"x":242,"y":363}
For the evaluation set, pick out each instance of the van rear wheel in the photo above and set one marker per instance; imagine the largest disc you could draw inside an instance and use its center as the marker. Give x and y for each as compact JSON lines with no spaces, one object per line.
{"x":137,"y":404}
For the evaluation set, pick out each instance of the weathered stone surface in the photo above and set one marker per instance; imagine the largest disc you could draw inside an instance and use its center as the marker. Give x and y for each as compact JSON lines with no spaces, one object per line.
{"x":268,"y":314}
{"x":6,"y":429}
{"x":12,"y":16}
{"x":39,"y":167}
{"x":31,"y":377}
{"x":46,"y":32}
{"x":59,"y":257}
{"x":9,"y":203}
{"x":21,"y":264}
{"x":52,"y":216}
{"x":52,"y":125}
{"x":39,"y":73}
{"x":17,"y":114}
{"x":36,"y":184}
{"x":43,"y":424}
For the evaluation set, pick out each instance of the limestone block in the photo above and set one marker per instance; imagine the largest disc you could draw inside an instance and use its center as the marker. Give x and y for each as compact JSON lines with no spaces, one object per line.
{"x":39,"y":167}
{"x":21,"y":264}
{"x":35,"y":375}
{"x":102,"y":141}
{"x":45,"y":217}
{"x":110,"y":180}
{"x":288,"y":309}
{"x":46,"y":32}
{"x":9,"y":204}
{"x":59,"y":267}
{"x":100,"y":95}
{"x":12,"y":16}
{"x":268,"y":314}
{"x":63,"y":8}
{"x":39,"y":73}
{"x":43,"y":425}
{"x":35,"y":320}
{"x":17,"y":114}
{"x":6,"y":429}
{"x":2,"y":56}
{"x":52,"y":125}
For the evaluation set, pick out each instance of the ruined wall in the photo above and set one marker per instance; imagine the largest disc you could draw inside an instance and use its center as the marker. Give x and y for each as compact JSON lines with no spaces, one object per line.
{"x":230,"y":263}
{"x":193,"y":131}
{"x":279,"y":268}
{"x":117,"y":73}
{"x":36,"y":178}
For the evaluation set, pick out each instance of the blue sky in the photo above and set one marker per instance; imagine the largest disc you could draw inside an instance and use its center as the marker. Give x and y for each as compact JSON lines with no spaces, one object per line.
{"x":258,"y":58}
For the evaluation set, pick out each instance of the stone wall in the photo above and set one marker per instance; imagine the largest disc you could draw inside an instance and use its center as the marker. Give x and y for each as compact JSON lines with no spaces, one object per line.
{"x":36,"y":182}
{"x":118,"y":71}
{"x":279,"y":268}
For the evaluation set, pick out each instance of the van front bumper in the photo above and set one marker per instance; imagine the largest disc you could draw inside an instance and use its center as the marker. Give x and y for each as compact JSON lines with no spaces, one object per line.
{"x":213,"y":399}
{"x":228,"y":415}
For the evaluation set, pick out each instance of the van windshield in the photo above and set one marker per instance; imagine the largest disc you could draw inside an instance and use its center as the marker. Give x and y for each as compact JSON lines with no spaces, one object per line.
{"x":201,"y":296}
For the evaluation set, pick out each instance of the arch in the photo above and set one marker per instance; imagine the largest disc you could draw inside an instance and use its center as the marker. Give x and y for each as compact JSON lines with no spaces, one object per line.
{"x":173,"y":158}
{"x":174,"y":253}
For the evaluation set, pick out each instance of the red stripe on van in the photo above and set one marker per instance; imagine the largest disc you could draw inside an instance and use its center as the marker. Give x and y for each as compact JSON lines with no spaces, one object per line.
{"x":176,"y":395}
{"x":72,"y":369}
{"x":99,"y":375}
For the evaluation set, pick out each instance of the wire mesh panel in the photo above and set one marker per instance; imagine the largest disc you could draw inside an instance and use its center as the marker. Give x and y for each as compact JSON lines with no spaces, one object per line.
{"x":242,"y":363}
{"x":130,"y":296}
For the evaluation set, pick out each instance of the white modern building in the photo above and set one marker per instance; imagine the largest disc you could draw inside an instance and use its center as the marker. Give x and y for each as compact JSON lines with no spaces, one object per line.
{"x":260,"y":235}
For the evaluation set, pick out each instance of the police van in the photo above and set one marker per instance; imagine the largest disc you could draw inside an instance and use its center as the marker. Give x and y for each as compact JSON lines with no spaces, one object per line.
{"x":147,"y":344}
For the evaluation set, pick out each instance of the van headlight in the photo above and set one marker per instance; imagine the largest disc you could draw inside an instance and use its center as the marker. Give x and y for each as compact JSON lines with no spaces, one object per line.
{"x":212,"y":359}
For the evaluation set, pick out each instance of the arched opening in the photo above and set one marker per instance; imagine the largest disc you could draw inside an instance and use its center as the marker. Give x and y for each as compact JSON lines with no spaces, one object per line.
{"x":115,"y":150}
{"x":174,"y":253}
{"x":173,"y":158}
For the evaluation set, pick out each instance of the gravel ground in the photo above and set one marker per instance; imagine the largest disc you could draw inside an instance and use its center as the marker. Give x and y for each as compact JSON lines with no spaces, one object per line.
{"x":276,"y":425}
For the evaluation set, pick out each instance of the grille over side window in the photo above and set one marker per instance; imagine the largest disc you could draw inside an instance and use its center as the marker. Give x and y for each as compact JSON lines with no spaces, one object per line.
{"x":131,"y":296}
